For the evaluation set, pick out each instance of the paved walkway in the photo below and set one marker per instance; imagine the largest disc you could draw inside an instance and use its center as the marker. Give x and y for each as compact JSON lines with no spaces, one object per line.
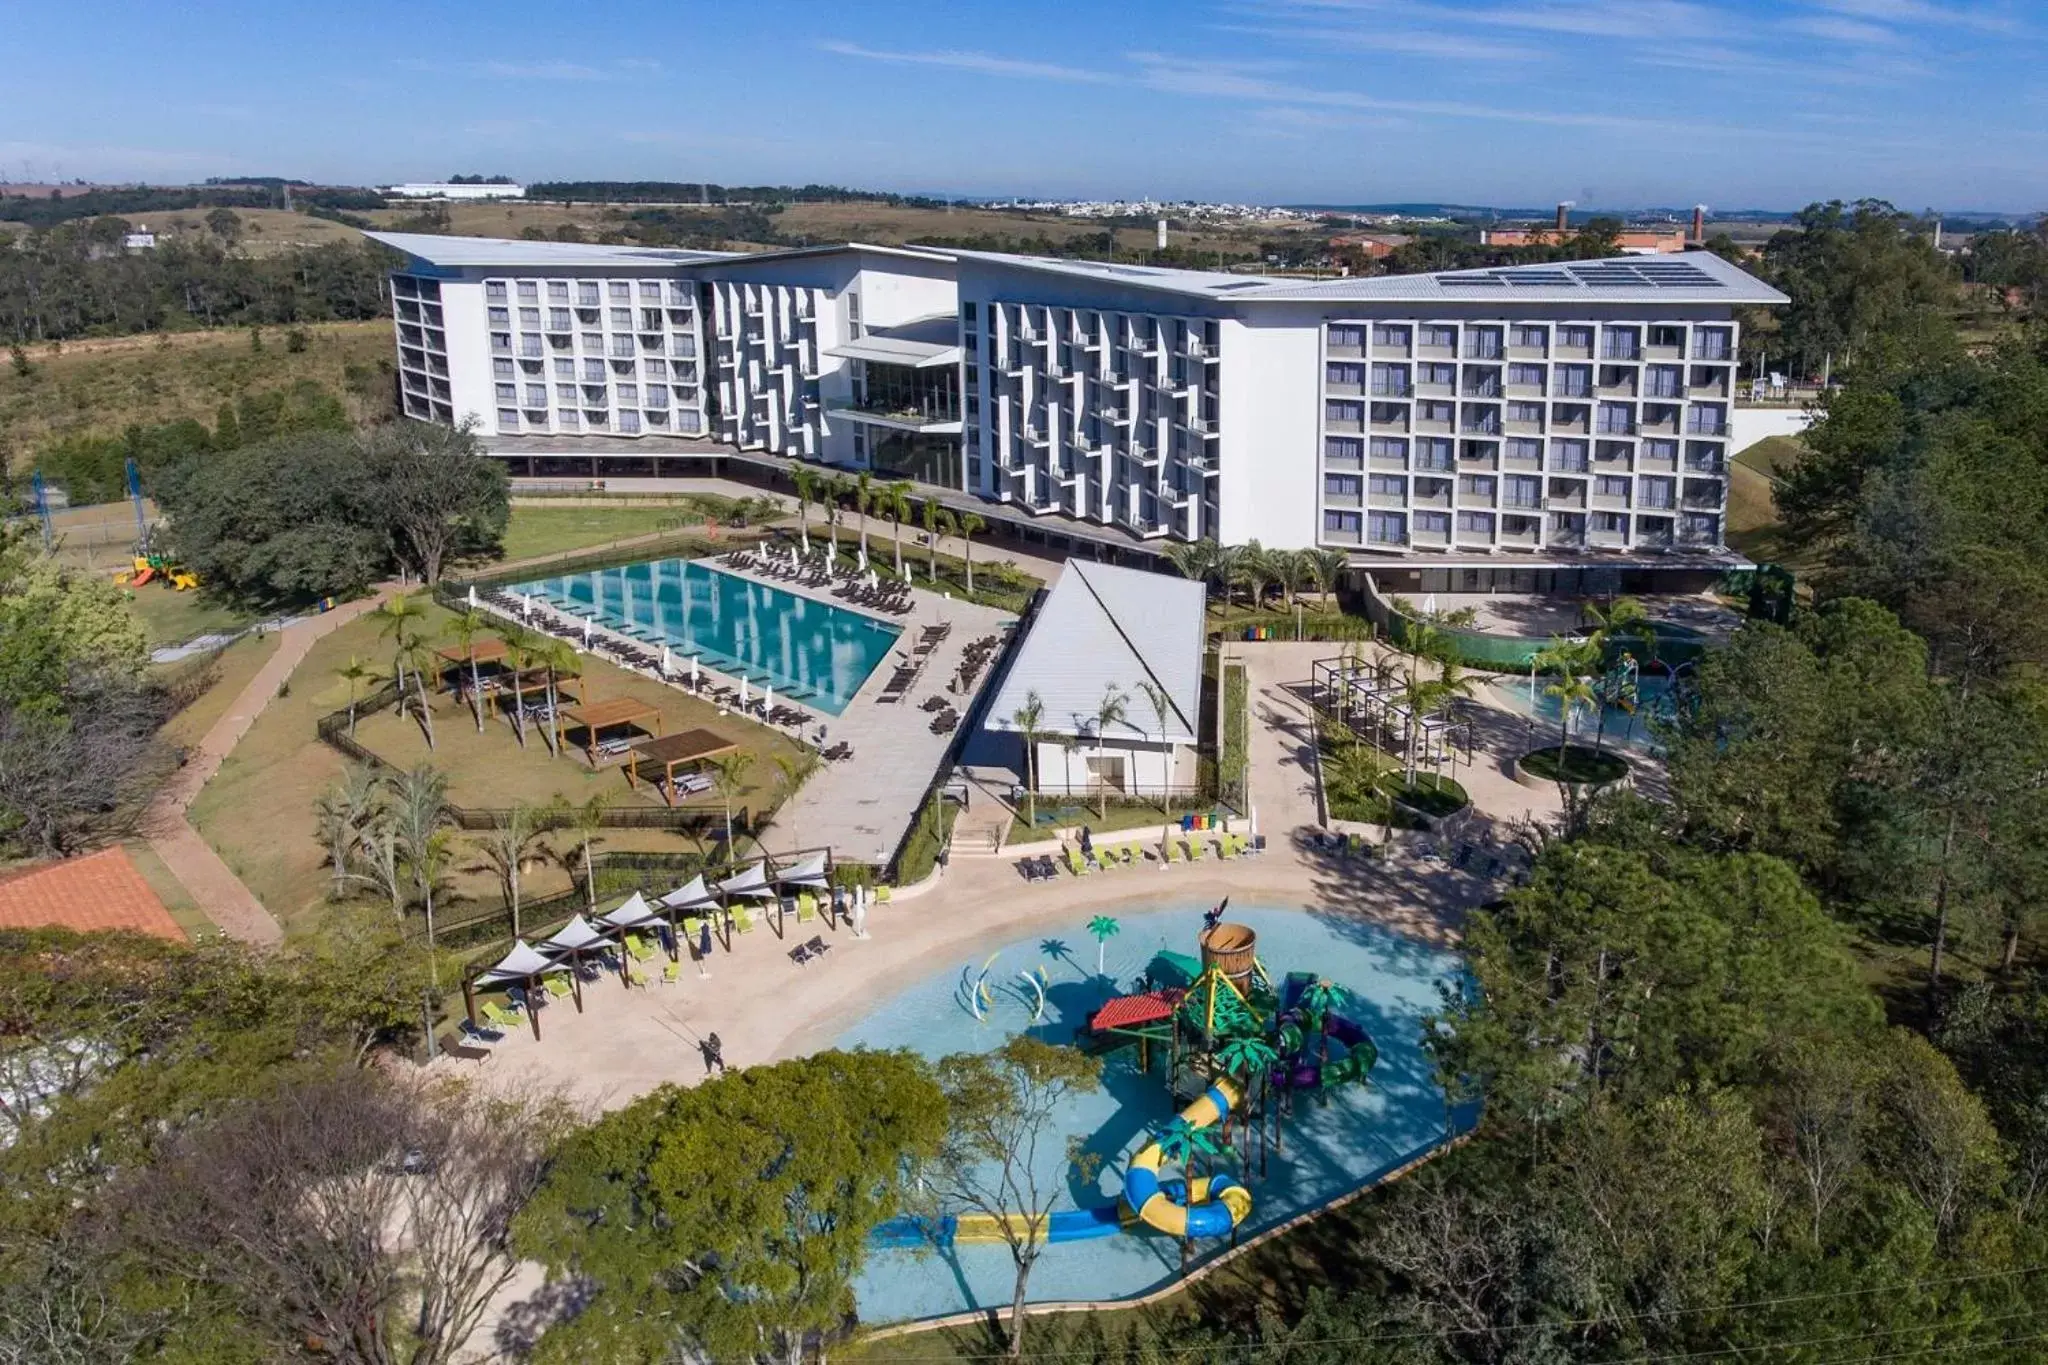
{"x":211,"y":883}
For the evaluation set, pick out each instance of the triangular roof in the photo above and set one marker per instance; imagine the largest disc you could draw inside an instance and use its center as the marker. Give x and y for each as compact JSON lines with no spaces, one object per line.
{"x":1103,"y":625}
{"x":519,"y":964}
{"x":634,"y":911}
{"x":809,"y":872}
{"x":694,"y":893}
{"x":576,"y":934}
{"x":751,"y":881}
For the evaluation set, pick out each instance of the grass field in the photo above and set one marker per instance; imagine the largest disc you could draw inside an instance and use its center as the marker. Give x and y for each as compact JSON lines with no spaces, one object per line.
{"x":1772,"y":456}
{"x":233,"y":668}
{"x":536,"y":531}
{"x":265,"y":232}
{"x":1754,"y":529}
{"x":169,"y":617}
{"x":99,"y":387}
{"x":258,"y":813}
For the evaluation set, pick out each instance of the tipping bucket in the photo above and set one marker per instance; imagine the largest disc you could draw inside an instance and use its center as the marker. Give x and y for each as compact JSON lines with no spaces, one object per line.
{"x":1231,"y":949}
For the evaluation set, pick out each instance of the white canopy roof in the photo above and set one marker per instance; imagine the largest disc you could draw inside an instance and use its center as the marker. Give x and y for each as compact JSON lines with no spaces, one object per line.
{"x":809,"y":872}
{"x":577,"y":933}
{"x":753,"y":881}
{"x":690,"y":896}
{"x":519,"y":964}
{"x":635,"y":911}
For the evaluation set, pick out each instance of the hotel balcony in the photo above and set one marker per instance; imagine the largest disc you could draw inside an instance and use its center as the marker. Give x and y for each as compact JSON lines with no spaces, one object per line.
{"x":876,"y":412}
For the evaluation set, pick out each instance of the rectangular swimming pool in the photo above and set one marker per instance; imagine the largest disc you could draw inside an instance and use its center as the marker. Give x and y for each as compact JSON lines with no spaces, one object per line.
{"x":809,"y":651}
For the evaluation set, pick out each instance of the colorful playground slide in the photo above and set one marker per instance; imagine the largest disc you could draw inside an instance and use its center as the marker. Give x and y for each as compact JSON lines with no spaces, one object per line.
{"x":1302,"y":1065}
{"x":1206,"y":1207}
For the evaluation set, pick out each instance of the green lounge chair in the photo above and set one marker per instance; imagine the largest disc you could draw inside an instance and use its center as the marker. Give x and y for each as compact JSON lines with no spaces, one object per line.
{"x":671,"y":973}
{"x":1075,"y":863}
{"x":692,"y":928}
{"x":806,"y":907}
{"x":1129,"y":855}
{"x":1226,"y":847}
{"x":743,"y":921}
{"x":882,"y":895}
{"x":636,"y":977}
{"x":1195,"y":850}
{"x":498,"y":1017}
{"x":1166,"y":852}
{"x":558,"y":986}
{"x":639,"y":947}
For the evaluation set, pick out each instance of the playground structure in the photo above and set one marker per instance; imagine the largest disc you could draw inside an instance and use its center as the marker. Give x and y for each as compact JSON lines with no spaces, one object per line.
{"x":155,"y":568}
{"x":1237,"y":1054}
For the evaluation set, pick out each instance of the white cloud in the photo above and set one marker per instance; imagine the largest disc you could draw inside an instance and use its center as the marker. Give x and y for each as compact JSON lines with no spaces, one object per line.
{"x":1922,"y":12}
{"x":982,"y":62}
{"x":1835,"y":29}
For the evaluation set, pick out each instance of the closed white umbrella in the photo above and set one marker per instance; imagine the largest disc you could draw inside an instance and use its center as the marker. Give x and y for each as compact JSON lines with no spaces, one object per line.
{"x":743,"y":691}
{"x":526,"y":606}
{"x":664,"y":661}
{"x":472,"y":595}
{"x":806,"y":536}
{"x":586,"y":632}
{"x":767,"y":698}
{"x":863,"y":559}
{"x":693,"y":670}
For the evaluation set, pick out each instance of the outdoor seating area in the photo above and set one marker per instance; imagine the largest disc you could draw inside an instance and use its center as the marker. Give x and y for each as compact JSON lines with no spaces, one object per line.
{"x":1084,"y":858}
{"x":1371,"y":699}
{"x":656,"y":760}
{"x":855,"y":582}
{"x":1484,"y":856}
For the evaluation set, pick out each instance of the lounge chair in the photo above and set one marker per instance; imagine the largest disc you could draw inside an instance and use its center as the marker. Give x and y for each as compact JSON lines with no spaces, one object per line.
{"x":1166,"y":852}
{"x":800,"y":955}
{"x":1226,"y":847}
{"x":638,"y":948}
{"x":1129,"y":855}
{"x":558,"y":986}
{"x":882,"y":895}
{"x":671,"y":972}
{"x":636,"y":977}
{"x":817,"y":947}
{"x":1028,"y":869}
{"x":498,"y":1017}
{"x":806,"y":907}
{"x":1195,"y":848}
{"x":1076,"y":865}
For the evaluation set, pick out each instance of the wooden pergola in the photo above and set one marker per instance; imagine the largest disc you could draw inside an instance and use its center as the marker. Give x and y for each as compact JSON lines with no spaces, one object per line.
{"x":669,"y":752}
{"x":462,"y":660}
{"x":606,"y":715}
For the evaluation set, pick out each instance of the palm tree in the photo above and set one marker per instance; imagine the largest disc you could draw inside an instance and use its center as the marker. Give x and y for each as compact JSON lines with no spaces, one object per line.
{"x":504,"y":850}
{"x":896,"y":506}
{"x":1325,"y":567}
{"x":465,"y":626}
{"x":418,"y":814}
{"x":400,"y":623}
{"x":1322,"y":997}
{"x":806,"y":493}
{"x":355,"y":673}
{"x":863,"y":499}
{"x":729,"y":776}
{"x":969,"y":524}
{"x":557,"y":657}
{"x":1162,"y":706}
{"x":1027,"y":718}
{"x":421,"y":660}
{"x":1569,"y":660}
{"x":580,"y":823}
{"x":947,"y":525}
{"x":830,"y":489}
{"x":1111,"y":710}
{"x":1227,"y":568}
{"x":1288,"y":568}
{"x":1363,"y":771}
{"x":1196,"y":560}
{"x":1104,"y":928}
{"x":928,"y":517}
{"x":346,"y":811}
{"x":518,"y":658}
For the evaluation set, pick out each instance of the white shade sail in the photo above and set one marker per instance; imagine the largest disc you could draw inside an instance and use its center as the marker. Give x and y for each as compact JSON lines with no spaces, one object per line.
{"x":691,"y":896}
{"x":753,"y":881}
{"x":809,"y":872}
{"x":577,"y":934}
{"x":519,"y":964}
{"x":635,"y":911}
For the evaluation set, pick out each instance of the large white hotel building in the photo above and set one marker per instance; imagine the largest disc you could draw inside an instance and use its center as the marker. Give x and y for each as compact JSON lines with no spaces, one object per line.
{"x":1511,"y":428}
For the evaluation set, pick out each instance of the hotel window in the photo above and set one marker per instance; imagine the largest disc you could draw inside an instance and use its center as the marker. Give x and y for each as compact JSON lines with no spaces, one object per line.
{"x":1568,"y":457}
{"x":1526,"y":374}
{"x":528,"y":289}
{"x":1346,"y":374}
{"x":1390,"y":448}
{"x":969,"y":311}
{"x":1529,"y":338}
{"x":1434,"y":412}
{"x":529,"y":346}
{"x":1432,"y":523}
{"x":1387,"y":485}
{"x":629,"y":394}
{"x":567,"y":393}
{"x":508,"y":393}
{"x":502,"y":368}
{"x":568,"y":421}
{"x":508,"y":418}
{"x":565,"y":368}
{"x":501,"y":341}
{"x":501,"y":317}
{"x":1338,"y":413}
{"x":1476,"y":523}
{"x":1611,"y":485}
{"x":1434,"y":453}
{"x":1660,"y":450}
{"x":1617,"y":419}
{"x":558,"y":291}
{"x":1390,"y":380}
{"x":655,"y":366}
{"x":1580,"y":338}
{"x":1524,"y":448}
{"x":1347,"y":338}
{"x":1655,"y":494}
{"x":1700,"y":525}
{"x":594,"y":371}
{"x":620,"y":290}
{"x":1574,"y":381}
{"x":558,"y":319}
{"x":597,"y":417}
{"x":536,"y":395}
{"x":650,"y":290}
{"x":530,"y":317}
{"x":1526,"y":412}
{"x":622,"y":319}
{"x":629,"y":421}
{"x":593,"y":341}
{"x":1476,"y":486}
{"x":657,"y":395}
{"x":1609,"y":521}
{"x":494,"y":290}
{"x":1341,"y":524}
{"x":1342,"y":485}
{"x":1385,"y":528}
{"x":1386,"y":334}
{"x":1347,"y":448}
{"x":1482,"y":343}
{"x":1439,"y":336}
{"x":1427,"y":373}
{"x":1711,"y":343}
{"x":1620,"y":343}
{"x":679,"y":293}
{"x":1523,"y":490}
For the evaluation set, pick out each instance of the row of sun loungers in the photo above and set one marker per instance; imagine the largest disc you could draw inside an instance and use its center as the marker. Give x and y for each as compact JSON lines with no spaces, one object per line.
{"x":1079,"y":864}
{"x":803,"y":954}
{"x":817,"y":572}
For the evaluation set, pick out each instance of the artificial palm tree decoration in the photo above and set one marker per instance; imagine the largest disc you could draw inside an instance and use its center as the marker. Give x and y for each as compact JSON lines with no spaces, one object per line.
{"x":1249,"y":1056}
{"x":1111,"y":710}
{"x":1027,"y":718}
{"x":1321,"y":997}
{"x":1103,"y":928}
{"x":969,"y":524}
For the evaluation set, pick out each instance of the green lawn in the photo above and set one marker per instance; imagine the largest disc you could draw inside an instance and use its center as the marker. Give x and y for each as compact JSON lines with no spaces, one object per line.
{"x":549,"y":530}
{"x":1071,"y":812}
{"x":169,"y":617}
{"x":232,"y":669}
{"x":169,"y":890}
{"x":1772,"y":456}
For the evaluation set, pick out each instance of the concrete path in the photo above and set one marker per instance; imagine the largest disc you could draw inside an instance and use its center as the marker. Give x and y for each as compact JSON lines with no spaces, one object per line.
{"x":211,"y":883}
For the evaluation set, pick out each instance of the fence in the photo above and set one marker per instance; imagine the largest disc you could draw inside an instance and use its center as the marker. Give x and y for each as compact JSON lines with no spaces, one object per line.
{"x":1516,"y":653}
{"x":695,"y":821}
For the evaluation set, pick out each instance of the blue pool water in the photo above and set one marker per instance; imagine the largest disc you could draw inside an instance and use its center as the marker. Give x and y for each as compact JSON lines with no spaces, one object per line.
{"x":1631,"y":730}
{"x":1327,"y":1151}
{"x":810,"y":651}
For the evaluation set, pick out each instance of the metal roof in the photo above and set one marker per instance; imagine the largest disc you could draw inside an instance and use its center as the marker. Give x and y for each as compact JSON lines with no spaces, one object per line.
{"x":436,"y":249}
{"x":1206,"y":283}
{"x":1106,"y":626}
{"x":1694,"y":277}
{"x":920,"y":343}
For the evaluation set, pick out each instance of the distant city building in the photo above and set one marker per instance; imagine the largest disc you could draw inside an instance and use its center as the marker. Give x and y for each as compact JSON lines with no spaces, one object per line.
{"x":463,"y":191}
{"x":1516,"y":428}
{"x":1634,"y":242}
{"x":1377,"y":245}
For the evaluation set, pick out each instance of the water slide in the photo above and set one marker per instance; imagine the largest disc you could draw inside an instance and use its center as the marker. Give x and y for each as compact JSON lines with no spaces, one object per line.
{"x":1301,"y":1065}
{"x":1207,"y":1207}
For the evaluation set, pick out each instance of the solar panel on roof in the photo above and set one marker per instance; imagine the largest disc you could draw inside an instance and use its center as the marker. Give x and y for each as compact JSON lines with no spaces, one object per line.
{"x":1490,"y":281}
{"x":1535,"y":277}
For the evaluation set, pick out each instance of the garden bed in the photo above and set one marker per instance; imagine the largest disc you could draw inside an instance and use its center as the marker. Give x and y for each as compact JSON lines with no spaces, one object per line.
{"x":1577,"y":765}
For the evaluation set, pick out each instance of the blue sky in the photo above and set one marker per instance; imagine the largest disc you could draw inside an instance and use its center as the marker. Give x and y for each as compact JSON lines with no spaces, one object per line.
{"x":1737,"y":102}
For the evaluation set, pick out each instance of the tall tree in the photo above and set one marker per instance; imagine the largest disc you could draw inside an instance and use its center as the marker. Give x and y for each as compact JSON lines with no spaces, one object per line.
{"x":1026,"y":720}
{"x":436,"y":492}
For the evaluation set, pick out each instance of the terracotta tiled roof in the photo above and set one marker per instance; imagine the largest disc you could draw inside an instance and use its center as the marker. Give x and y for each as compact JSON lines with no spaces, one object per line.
{"x":101,"y":891}
{"x":1132,"y":1011}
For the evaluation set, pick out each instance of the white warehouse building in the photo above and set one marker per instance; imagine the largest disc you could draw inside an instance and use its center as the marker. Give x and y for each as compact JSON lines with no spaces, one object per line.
{"x":1464,"y":430}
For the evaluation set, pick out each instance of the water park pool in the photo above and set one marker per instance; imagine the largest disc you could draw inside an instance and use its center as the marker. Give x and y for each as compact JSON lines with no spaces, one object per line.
{"x":1629,"y":729}
{"x":1349,"y":1137}
{"x":809,"y":651}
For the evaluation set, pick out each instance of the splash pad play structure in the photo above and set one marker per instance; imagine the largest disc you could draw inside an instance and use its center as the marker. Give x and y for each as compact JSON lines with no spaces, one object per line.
{"x":1212,"y":1034}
